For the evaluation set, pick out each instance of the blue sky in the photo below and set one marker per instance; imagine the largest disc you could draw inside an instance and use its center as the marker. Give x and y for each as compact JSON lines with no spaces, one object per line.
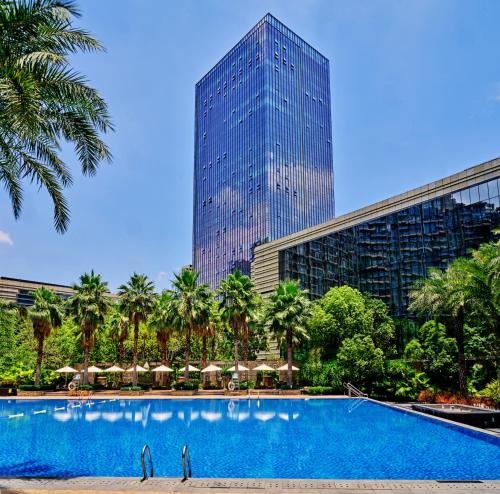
{"x":415,"y":97}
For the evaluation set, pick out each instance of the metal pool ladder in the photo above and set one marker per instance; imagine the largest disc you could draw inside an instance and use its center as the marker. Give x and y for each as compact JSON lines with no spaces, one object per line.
{"x":354,"y":391}
{"x":145,"y":476}
{"x":186,"y":463}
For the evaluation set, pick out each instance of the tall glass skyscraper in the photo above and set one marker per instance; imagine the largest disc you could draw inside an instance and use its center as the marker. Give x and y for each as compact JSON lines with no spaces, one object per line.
{"x":263,"y":149}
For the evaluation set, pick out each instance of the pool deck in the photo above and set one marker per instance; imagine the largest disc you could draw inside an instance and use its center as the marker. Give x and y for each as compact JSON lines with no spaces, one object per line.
{"x":108,"y":485}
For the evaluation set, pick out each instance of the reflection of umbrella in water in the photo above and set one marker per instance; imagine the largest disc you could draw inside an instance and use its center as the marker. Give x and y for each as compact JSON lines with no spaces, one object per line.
{"x":91,"y":416}
{"x":161,"y":416}
{"x":62,"y":416}
{"x":211,"y":416}
{"x":241,"y":416}
{"x":264,"y":416}
{"x":112,"y":416}
{"x":284,"y":416}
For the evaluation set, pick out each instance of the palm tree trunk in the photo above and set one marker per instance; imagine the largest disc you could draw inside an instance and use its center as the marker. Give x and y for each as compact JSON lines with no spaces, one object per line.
{"x":188,"y":352}
{"x":86,"y":353}
{"x":204,"y":351}
{"x":39,"y":358}
{"x":289,"y":377}
{"x":136,"y":341}
{"x":245,"y":346}
{"x":121,"y":351}
{"x":459,"y":336}
{"x":235,"y":342}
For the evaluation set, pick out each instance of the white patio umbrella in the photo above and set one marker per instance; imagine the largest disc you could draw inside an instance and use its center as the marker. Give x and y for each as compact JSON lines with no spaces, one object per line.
{"x":162,"y":368}
{"x":93,"y":369}
{"x":191,"y":368}
{"x":114,"y":368}
{"x":241,"y":368}
{"x":264,"y":367}
{"x":67,"y":370}
{"x":138,"y":369}
{"x":211,"y":368}
{"x":285,"y":368}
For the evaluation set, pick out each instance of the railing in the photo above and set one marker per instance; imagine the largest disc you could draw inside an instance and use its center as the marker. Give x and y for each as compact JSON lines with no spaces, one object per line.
{"x":186,"y":463}
{"x":145,"y":476}
{"x":353,"y":390}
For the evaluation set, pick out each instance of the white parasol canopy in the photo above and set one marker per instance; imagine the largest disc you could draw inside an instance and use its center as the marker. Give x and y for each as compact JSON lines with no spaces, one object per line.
{"x":285,"y":368}
{"x":138,"y":368}
{"x":162,"y":368}
{"x":264,"y":367}
{"x":93,"y":369}
{"x":211,"y":368}
{"x":114,"y":368}
{"x":191,"y":368}
{"x":66,"y":370}
{"x":241,"y":367}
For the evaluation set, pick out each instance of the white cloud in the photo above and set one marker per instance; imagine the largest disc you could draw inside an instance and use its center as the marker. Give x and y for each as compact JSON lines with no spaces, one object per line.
{"x":496,"y":96}
{"x":161,"y":275}
{"x":5,"y":238}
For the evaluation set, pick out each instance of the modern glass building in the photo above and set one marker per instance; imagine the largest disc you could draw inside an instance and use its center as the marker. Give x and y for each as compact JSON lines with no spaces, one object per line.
{"x":263,"y":150}
{"x":385,"y":248}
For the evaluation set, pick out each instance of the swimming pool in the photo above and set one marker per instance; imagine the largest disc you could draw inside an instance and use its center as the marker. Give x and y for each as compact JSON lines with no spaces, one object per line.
{"x":247,"y":438}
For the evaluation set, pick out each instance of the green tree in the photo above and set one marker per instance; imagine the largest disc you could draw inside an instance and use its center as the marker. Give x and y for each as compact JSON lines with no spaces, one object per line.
{"x":45,"y":314}
{"x":444,"y":296}
{"x":118,"y":324}
{"x":165,"y":321}
{"x":44,"y":101}
{"x":137,"y":299}
{"x":286,"y":318}
{"x":344,"y":312}
{"x":89,"y":306}
{"x":188,"y":294}
{"x":360,"y":360}
{"x":239,"y":303}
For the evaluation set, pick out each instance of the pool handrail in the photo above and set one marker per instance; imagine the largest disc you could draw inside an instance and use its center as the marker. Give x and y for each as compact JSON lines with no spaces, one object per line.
{"x":143,"y":463}
{"x":353,"y":390}
{"x":187,"y":471}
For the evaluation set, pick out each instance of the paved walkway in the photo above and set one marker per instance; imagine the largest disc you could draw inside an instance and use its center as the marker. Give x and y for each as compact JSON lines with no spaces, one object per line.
{"x":110,"y":485}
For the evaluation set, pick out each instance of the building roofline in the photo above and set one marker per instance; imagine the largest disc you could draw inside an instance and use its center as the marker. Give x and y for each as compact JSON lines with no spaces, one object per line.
{"x":452,"y":183}
{"x":250,"y":32}
{"x":20,"y":280}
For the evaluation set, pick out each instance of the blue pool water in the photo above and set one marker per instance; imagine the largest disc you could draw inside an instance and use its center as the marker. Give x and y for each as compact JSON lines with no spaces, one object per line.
{"x":317,"y":438}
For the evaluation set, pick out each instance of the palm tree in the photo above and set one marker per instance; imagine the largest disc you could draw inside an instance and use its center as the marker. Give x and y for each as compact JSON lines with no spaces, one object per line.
{"x":209,"y":320}
{"x":89,"y":306}
{"x":165,"y":321}
{"x":46,"y":313}
{"x":137,"y":299}
{"x":189,"y":295}
{"x":239,"y":303}
{"x":445,"y":295}
{"x":286,"y":317}
{"x":118,"y":330}
{"x":44,"y":101}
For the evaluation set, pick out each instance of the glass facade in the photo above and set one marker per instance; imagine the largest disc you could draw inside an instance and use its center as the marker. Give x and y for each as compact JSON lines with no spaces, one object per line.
{"x":385,"y":256}
{"x":263,"y":150}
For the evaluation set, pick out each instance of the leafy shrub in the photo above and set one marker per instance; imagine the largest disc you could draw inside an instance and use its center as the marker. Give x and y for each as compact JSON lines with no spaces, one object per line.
{"x":186,"y":385}
{"x":320,"y":390}
{"x":426,"y":396}
{"x":131,"y":388}
{"x":85,"y":387}
{"x":29,"y":387}
{"x":492,"y":391}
